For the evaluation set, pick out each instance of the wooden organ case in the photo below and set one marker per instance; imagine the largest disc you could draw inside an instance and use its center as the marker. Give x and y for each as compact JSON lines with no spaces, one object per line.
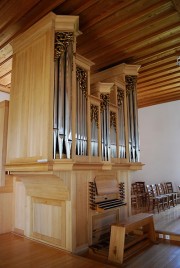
{"x":69,"y":133}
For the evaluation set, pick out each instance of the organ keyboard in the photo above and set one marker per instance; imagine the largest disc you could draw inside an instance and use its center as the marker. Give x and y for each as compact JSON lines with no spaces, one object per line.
{"x":105,"y":194}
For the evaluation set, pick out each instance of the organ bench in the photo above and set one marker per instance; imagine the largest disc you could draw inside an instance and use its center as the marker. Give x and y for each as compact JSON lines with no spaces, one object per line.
{"x":142,"y":227}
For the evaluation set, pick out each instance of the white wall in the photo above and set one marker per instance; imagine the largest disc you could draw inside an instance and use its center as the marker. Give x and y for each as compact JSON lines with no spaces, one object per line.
{"x":4,"y":96}
{"x":159,"y":128}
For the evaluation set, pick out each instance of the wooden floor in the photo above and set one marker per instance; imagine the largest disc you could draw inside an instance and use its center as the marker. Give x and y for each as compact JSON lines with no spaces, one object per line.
{"x":168,"y":221}
{"x":19,"y":252}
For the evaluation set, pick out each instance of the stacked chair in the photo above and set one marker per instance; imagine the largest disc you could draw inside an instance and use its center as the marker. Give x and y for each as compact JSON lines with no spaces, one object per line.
{"x":134,"y":196}
{"x":154,"y":199}
{"x":161,"y":196}
{"x":176,"y":195}
{"x":138,"y":194}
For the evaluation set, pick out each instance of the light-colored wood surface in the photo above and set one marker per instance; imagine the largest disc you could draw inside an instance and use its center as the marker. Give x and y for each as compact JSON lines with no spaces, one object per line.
{"x":8,"y":187}
{"x":30,"y":113}
{"x":4,"y":108}
{"x":6,"y":201}
{"x":50,"y":208}
{"x":106,"y":185}
{"x":118,"y":231}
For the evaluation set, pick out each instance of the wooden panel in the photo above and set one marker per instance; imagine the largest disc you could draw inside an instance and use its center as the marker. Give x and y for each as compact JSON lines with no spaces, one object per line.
{"x":101,"y":224}
{"x":8,"y":185}
{"x":106,"y":185}
{"x":49,"y":221}
{"x":81,"y":209}
{"x":5,"y":212}
{"x":4,"y":107}
{"x":45,"y":186}
{"x":19,"y":206}
{"x":30,"y":120}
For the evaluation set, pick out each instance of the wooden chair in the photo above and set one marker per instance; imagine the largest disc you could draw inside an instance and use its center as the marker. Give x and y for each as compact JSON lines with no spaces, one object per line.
{"x":153,"y":198}
{"x":172,"y":196}
{"x":141,"y":191}
{"x":166,"y":197}
{"x":162,"y":198}
{"x":134,"y":196}
{"x":170,"y":189}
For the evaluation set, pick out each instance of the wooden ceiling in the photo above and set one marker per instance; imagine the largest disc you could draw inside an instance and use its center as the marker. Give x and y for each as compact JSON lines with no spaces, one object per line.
{"x":143,"y":32}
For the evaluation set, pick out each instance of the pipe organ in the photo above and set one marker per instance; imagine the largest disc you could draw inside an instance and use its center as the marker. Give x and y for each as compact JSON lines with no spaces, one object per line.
{"x":72,"y":138}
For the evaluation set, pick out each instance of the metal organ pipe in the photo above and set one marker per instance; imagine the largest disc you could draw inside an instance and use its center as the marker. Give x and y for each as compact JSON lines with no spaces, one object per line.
{"x":81,"y":117}
{"x":94,"y":130}
{"x":62,"y":95}
{"x":105,"y":126}
{"x":132,"y":118}
{"x":121,"y":117}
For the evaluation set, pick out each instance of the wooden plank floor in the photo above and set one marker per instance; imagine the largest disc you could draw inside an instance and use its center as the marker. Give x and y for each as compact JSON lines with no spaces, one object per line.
{"x":162,"y":255}
{"x":19,"y":252}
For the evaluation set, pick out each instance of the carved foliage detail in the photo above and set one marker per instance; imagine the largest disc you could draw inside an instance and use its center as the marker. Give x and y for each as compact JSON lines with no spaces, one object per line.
{"x":81,"y":76}
{"x":113,"y":119}
{"x":62,"y":41}
{"x":120,"y":97}
{"x":130,"y":83}
{"x":105,"y":98}
{"x":94,"y":114}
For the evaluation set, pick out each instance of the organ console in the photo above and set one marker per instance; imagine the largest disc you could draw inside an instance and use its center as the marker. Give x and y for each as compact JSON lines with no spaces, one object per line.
{"x":106,"y":194}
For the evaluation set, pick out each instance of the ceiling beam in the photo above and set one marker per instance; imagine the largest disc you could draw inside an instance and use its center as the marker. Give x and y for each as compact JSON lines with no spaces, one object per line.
{"x":33,"y":15}
{"x":176,"y":5}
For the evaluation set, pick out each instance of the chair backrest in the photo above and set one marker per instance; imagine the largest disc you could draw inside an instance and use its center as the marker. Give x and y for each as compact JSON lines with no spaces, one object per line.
{"x":140,"y":187}
{"x":149,"y":191}
{"x":160,"y":189}
{"x":134,"y":189}
{"x":169,"y":187}
{"x":166,"y":189}
{"x":154,"y":190}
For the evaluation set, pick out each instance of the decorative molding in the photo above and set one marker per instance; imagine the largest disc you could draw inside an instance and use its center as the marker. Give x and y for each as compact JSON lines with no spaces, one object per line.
{"x":114,"y":73}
